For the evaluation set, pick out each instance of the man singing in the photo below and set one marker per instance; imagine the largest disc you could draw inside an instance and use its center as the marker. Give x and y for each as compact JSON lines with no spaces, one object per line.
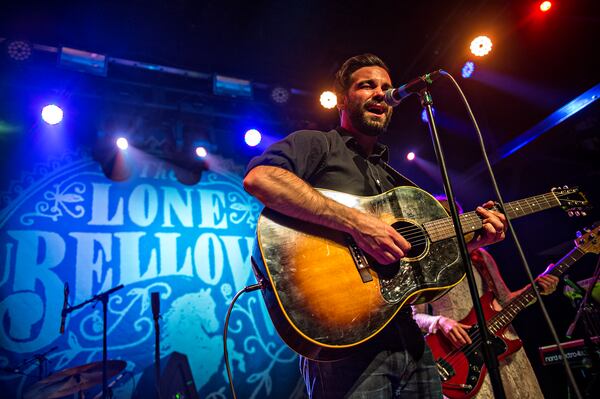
{"x":395,"y":363}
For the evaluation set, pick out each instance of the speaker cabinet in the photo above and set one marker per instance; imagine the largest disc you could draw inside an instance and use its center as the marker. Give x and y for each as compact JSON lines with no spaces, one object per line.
{"x":176,"y":381}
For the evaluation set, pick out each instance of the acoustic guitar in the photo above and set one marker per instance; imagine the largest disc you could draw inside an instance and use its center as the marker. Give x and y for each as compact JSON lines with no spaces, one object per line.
{"x":325,"y":295}
{"x":463,"y":370}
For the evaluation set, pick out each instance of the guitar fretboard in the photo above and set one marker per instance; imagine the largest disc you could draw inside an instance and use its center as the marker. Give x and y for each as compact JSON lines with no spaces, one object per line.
{"x":442,"y":229}
{"x":526,"y":298}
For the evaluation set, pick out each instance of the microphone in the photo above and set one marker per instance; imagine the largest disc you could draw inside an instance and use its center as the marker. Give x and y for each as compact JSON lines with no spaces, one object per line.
{"x":63,"y":314}
{"x":394,"y":97}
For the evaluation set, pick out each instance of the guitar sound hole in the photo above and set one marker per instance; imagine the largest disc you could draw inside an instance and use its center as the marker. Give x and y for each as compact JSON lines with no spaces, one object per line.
{"x":414,"y":235}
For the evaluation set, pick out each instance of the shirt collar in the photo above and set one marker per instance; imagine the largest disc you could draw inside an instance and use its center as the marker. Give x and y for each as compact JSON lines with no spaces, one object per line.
{"x":381,"y":151}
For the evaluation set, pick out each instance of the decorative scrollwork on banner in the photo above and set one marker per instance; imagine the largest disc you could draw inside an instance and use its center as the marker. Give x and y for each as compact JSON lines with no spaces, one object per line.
{"x":58,"y":202}
{"x":254,"y":342}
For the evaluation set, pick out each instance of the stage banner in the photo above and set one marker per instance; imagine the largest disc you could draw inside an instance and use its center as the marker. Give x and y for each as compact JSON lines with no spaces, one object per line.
{"x":63,"y":221}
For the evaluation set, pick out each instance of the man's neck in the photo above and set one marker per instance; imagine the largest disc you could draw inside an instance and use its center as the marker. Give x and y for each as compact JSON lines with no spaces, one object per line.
{"x":366,"y":142}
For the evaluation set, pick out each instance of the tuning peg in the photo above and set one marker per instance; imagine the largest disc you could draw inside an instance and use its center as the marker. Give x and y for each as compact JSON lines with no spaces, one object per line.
{"x":570,"y":214}
{"x":577,"y":213}
{"x":565,"y":187}
{"x":586,"y":229}
{"x":553,"y":188}
{"x":578,"y":234}
{"x":583,"y":214}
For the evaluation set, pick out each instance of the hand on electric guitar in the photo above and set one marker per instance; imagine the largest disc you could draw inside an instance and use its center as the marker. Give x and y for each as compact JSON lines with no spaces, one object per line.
{"x":494,"y":227}
{"x":547,"y":283}
{"x":454,"y":331}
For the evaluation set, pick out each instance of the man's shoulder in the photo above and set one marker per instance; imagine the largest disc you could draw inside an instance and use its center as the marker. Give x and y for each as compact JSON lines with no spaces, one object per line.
{"x":314,"y":133}
{"x":312,"y":138}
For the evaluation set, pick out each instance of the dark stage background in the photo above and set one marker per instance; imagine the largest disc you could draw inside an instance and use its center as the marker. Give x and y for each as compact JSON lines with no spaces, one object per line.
{"x":163,"y":229}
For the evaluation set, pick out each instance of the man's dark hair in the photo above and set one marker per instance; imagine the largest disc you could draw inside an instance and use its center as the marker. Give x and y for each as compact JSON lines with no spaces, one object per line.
{"x":342,"y":76}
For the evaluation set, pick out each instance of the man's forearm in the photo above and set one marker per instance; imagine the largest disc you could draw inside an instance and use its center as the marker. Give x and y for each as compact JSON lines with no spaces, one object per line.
{"x":286,"y":193}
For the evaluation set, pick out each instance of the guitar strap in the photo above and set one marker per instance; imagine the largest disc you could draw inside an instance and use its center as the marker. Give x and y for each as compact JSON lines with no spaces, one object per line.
{"x":400,"y":179}
{"x":481,"y":266}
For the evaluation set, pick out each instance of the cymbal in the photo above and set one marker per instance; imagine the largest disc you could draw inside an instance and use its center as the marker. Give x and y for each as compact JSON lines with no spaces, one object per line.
{"x":73,"y":380}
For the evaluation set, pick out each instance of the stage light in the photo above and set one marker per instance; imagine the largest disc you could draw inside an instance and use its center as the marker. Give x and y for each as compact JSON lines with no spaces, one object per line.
{"x":252,"y":137}
{"x":424,"y":116}
{"x":410,"y":156}
{"x":52,"y":114}
{"x":83,"y":61}
{"x":232,"y":87}
{"x":122,"y":143}
{"x":19,"y":50}
{"x":201,"y":152}
{"x":280,"y":95}
{"x":545,"y":6}
{"x":468,"y":69}
{"x":328,"y":99}
{"x":481,"y":46}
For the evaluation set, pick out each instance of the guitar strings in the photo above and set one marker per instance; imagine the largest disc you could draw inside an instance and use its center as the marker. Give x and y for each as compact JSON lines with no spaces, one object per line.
{"x":445,"y":224}
{"x":498,"y":318}
{"x":474,"y":345}
{"x":414,"y":231}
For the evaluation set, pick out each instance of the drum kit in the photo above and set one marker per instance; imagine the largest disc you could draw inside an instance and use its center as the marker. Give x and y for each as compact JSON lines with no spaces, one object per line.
{"x":77,"y":380}
{"x":74,"y":380}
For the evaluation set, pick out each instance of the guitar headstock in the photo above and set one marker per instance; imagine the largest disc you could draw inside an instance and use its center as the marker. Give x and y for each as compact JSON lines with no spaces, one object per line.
{"x":588,"y":240}
{"x":571,"y":200}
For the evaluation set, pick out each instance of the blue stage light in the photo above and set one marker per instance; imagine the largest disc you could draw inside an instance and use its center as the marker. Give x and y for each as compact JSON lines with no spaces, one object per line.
{"x":252,"y":137}
{"x":555,"y":118}
{"x":201,"y":152}
{"x":122,"y":143}
{"x":52,"y":114}
{"x":424,"y":117}
{"x":468,"y":69}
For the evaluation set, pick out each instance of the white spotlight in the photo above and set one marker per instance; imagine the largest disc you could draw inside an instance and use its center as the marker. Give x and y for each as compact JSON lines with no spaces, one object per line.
{"x":328,"y":99}
{"x":52,"y":114}
{"x":122,"y":143}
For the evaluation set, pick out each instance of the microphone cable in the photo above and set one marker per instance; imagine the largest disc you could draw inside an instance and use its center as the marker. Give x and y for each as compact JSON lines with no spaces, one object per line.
{"x":249,"y":288}
{"x":514,"y":234}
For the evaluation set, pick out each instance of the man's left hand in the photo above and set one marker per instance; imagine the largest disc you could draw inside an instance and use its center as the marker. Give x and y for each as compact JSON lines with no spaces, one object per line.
{"x":494,"y":227}
{"x":547,"y":284}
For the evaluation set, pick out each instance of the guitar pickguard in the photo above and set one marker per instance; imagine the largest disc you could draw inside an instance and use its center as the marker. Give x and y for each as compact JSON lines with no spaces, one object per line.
{"x":440,"y":264}
{"x":470,"y":372}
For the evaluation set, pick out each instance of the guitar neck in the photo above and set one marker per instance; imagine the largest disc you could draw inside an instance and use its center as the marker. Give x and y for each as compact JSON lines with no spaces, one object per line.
{"x":442,"y":229}
{"x":526,"y":298}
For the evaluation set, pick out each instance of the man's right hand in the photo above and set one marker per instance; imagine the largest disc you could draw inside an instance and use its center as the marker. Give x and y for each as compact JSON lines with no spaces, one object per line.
{"x":378,"y":239}
{"x":454,"y":331}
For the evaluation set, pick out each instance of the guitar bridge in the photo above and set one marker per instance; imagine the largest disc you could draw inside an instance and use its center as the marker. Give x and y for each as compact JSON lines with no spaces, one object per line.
{"x":360,"y":260}
{"x":445,"y":370}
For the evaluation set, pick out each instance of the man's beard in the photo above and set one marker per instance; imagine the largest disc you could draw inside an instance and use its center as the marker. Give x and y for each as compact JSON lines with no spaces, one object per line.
{"x":363,"y":124}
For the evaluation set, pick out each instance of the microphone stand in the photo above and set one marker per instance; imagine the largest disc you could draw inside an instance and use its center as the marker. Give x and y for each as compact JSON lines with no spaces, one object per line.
{"x":39,"y":357}
{"x":101,"y":297}
{"x":491,"y":361}
{"x":155,"y":299}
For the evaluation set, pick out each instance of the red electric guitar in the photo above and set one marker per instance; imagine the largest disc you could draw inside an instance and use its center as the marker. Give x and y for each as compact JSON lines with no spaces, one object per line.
{"x":462,"y":370}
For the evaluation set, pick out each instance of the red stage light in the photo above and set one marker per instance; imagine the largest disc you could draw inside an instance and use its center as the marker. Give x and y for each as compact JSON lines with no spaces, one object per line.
{"x":545,"y":6}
